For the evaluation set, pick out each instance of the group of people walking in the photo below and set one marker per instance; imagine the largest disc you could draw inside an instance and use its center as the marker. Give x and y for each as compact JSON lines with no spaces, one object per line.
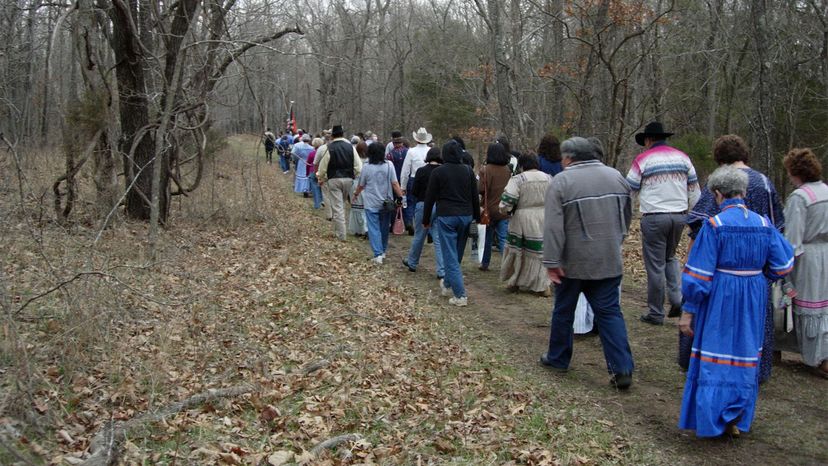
{"x":559,"y":216}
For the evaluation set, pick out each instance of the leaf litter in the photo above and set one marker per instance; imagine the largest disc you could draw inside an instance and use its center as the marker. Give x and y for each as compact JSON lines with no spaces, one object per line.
{"x":349,"y":366}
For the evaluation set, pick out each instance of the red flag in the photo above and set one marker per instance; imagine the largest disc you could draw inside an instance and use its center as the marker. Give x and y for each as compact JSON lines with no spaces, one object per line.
{"x":292,"y":122}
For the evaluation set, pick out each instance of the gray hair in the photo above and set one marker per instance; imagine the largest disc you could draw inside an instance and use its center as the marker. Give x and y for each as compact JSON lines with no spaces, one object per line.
{"x":306,"y":137}
{"x":599,"y":148}
{"x":578,"y":149}
{"x":728,"y":181}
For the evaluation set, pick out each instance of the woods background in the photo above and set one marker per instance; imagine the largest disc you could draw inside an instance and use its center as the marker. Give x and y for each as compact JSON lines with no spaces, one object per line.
{"x":122,"y":82}
{"x":118,"y":116}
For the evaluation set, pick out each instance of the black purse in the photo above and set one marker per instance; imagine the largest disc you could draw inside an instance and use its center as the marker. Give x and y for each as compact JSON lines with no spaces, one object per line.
{"x":389,"y":205}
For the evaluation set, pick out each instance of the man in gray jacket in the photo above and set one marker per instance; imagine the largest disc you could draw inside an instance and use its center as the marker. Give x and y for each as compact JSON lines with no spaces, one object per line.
{"x":588,"y":211}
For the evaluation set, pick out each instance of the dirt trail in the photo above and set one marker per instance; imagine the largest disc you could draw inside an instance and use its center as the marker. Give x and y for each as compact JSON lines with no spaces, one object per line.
{"x":790,"y":423}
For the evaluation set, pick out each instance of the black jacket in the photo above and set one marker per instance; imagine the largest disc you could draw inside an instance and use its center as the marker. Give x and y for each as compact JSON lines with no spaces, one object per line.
{"x":421,"y":181}
{"x":453,"y":187}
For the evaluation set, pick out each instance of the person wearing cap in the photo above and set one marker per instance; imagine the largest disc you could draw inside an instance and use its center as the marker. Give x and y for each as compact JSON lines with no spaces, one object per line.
{"x":390,"y":146}
{"x":414,"y":160}
{"x":587,"y":215}
{"x":339,"y":165}
{"x":665,"y":181}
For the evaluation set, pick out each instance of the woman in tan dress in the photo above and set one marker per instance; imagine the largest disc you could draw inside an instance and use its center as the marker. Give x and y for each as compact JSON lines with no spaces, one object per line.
{"x":523,"y":197}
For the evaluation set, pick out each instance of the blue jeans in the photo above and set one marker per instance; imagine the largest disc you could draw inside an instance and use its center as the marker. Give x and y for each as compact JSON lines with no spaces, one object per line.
{"x":284,"y":162}
{"x":378,"y":224}
{"x":495,"y":227}
{"x":604,"y":297}
{"x":453,"y":232}
{"x":410,"y":201}
{"x":420,"y":234}
{"x":316,"y":190}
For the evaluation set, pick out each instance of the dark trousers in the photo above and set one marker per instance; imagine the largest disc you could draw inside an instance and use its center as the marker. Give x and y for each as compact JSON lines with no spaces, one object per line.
{"x":660,"y":235}
{"x":411,"y":203}
{"x":604,"y":297}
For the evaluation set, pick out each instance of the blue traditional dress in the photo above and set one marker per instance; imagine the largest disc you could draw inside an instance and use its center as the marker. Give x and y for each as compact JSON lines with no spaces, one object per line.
{"x":761,"y":198}
{"x":302,"y":184}
{"x":724,"y":287}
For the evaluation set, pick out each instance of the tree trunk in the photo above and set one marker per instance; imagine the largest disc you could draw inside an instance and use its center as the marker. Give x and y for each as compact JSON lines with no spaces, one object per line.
{"x":136,"y":134}
{"x":763,"y":123}
{"x":712,"y":85}
{"x":502,"y":72}
{"x":92,"y":67}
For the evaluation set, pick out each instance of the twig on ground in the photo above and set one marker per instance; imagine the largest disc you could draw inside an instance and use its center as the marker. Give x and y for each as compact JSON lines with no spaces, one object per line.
{"x":334,"y":441}
{"x":94,"y":273}
{"x":105,"y":446}
{"x":19,"y":456}
{"x":315,"y":366}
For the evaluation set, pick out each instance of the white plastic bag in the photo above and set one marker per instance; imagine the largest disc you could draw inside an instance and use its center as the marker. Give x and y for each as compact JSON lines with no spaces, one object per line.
{"x":583,"y":316}
{"x":481,"y":241}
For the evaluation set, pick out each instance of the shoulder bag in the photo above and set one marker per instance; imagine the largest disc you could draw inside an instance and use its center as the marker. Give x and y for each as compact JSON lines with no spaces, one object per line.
{"x":388,"y":204}
{"x":780,"y":291}
{"x":484,"y":215}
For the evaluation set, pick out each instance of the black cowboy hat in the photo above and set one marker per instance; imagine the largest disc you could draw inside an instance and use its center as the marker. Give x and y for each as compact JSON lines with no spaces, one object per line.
{"x":653,"y":129}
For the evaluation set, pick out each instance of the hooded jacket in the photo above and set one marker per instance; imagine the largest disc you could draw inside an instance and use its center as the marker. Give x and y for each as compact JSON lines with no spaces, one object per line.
{"x":453,"y":187}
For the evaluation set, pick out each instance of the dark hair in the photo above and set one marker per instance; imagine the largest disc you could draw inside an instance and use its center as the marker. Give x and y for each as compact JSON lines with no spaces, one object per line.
{"x":550,"y":148}
{"x":460,"y":141}
{"x":361,"y":135}
{"x":496,"y":155}
{"x":376,"y":154}
{"x":803,"y":164}
{"x":528,"y":161}
{"x":396,"y":134}
{"x":361,"y":148}
{"x":433,"y":155}
{"x":504,"y":141}
{"x":730,"y":148}
{"x":267,"y":129}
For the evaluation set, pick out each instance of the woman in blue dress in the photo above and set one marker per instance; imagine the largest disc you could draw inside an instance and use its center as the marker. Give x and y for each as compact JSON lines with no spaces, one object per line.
{"x":725,"y":293}
{"x":731,"y":150}
{"x":302,"y":150}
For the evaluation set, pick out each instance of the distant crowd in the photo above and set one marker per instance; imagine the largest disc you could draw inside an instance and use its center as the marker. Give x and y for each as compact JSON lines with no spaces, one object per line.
{"x":558,"y":217}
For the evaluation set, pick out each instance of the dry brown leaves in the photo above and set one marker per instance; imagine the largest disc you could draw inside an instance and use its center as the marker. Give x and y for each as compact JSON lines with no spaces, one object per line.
{"x":337,"y":347}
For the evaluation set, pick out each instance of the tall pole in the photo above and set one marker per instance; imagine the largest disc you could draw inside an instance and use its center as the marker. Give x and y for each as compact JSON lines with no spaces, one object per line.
{"x":290,"y":111}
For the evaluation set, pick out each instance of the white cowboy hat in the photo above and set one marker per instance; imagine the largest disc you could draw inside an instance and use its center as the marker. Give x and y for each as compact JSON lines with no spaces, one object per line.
{"x":422,"y":136}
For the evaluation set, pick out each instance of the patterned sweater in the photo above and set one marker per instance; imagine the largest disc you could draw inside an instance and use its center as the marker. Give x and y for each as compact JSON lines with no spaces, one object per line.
{"x":665,"y":180}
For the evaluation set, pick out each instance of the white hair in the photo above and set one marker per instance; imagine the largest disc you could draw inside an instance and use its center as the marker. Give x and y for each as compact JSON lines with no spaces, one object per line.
{"x":728,"y":181}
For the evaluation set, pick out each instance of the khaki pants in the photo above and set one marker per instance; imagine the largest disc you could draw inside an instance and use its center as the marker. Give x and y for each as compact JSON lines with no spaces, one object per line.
{"x":326,"y":199}
{"x":339,"y":189}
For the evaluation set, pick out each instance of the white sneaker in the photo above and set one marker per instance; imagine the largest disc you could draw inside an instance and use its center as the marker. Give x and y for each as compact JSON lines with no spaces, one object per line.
{"x":377,"y":260}
{"x":459,"y":302}
{"x":383,"y":256}
{"x":445,"y":291}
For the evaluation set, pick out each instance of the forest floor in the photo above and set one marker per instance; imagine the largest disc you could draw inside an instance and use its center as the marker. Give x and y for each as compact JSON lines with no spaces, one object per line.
{"x":289,"y":347}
